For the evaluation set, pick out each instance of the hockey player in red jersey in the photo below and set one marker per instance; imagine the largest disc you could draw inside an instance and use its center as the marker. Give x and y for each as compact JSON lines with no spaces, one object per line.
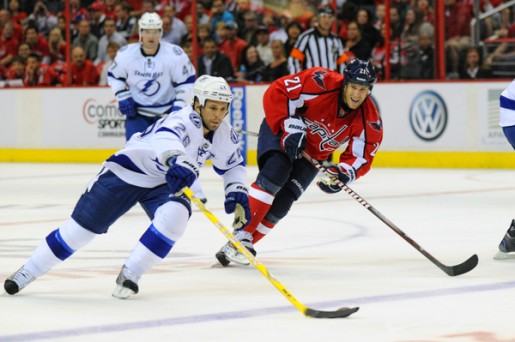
{"x":316,"y":111}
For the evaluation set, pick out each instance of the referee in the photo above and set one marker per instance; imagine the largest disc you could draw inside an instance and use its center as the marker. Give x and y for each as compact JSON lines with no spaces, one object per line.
{"x":318,"y":46}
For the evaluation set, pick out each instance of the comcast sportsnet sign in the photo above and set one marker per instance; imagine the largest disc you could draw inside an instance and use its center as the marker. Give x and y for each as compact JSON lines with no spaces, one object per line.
{"x":105,"y":117}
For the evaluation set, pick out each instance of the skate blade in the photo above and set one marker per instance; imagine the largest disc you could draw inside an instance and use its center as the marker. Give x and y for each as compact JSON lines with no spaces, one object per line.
{"x":504,"y":256}
{"x":121,"y":292}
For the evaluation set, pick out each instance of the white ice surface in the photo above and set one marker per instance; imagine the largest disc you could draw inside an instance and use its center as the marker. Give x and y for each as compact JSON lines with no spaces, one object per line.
{"x":329,"y":252}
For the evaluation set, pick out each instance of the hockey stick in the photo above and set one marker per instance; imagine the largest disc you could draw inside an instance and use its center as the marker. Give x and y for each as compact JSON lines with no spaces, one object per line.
{"x":340,"y":313}
{"x":456,"y":270}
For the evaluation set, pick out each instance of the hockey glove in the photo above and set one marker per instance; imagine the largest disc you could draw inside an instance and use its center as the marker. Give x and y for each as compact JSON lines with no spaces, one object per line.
{"x":182,"y":172}
{"x":237,"y":202}
{"x":293,"y":140}
{"x":335,"y":173}
{"x":126,"y":103}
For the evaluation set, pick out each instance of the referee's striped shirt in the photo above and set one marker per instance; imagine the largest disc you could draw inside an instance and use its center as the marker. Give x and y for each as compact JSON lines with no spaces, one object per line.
{"x":314,"y":49}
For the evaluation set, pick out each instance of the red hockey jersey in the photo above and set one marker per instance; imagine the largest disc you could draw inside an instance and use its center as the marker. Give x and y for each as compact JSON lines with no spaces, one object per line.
{"x":315,"y":95}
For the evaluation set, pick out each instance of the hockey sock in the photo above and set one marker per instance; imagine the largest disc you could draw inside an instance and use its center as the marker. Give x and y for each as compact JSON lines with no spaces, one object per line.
{"x":263,"y":228}
{"x":260,"y":201}
{"x":58,"y":246}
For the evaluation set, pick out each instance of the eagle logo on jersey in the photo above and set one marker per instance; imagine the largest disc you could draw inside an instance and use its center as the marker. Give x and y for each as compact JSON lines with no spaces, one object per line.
{"x":376,"y":125}
{"x":319,"y":78}
{"x":195,"y":118}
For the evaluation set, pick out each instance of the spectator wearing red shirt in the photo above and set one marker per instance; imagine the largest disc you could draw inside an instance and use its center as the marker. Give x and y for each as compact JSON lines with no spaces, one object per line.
{"x":8,"y":45}
{"x":16,"y":70}
{"x":77,"y":13}
{"x":17,"y":16}
{"x":5,"y":17}
{"x":37,"y":73}
{"x":57,"y":46}
{"x":233,"y":46}
{"x":83,"y":71}
{"x":38,"y":44}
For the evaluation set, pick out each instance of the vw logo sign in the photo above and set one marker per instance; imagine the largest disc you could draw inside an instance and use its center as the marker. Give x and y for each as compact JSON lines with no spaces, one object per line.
{"x":428,"y":115}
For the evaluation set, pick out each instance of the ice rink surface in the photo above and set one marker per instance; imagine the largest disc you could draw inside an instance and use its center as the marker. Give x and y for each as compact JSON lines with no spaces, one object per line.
{"x":329,"y":252}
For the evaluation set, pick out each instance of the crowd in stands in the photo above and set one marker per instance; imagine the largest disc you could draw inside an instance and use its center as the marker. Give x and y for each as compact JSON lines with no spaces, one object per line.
{"x":243,"y":41}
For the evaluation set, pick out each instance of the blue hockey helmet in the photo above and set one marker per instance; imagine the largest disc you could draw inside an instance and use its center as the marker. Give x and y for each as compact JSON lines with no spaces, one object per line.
{"x":360,"y":72}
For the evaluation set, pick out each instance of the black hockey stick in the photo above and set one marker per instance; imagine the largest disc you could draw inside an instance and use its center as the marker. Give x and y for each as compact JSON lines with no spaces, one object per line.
{"x":340,"y":313}
{"x":456,"y":270}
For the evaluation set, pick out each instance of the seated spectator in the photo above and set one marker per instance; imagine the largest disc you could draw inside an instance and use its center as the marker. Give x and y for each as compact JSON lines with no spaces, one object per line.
{"x":83,"y":71}
{"x":202,"y":17}
{"x":355,"y":45}
{"x":112,"y":49}
{"x":187,"y":46}
{"x":43,"y":18}
{"x":24,"y":51}
{"x":279,"y":66}
{"x":368,"y":32}
{"x":38,"y":44}
{"x":87,"y":40}
{"x":61,"y":25}
{"x":98,"y":17}
{"x":16,"y":70}
{"x":203,"y":33}
{"x":77,"y":13}
{"x":173,"y":29}
{"x":17,"y":15}
{"x":474,"y":67}
{"x":425,"y":11}
{"x":250,"y":25}
{"x":252,"y":66}
{"x":293,"y":30}
{"x":110,"y":36}
{"x":420,"y":59}
{"x":233,"y":47}
{"x":57,"y":46}
{"x":219,"y":14}
{"x":5,"y":17}
{"x":125,"y":23}
{"x":8,"y":45}
{"x":213,"y":62}
{"x":110,"y":8}
{"x":264,"y":46}
{"x":38,"y":73}
{"x":458,"y":14}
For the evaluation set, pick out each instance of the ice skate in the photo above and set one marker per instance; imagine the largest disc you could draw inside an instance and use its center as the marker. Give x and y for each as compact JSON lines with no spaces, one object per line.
{"x":507,"y":245}
{"x":229,"y":253}
{"x":18,"y":280}
{"x":126,"y":284}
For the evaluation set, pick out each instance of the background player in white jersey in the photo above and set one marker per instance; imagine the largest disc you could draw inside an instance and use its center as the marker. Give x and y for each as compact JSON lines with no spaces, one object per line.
{"x":507,"y":122}
{"x":150,"y":77}
{"x":152,"y":169}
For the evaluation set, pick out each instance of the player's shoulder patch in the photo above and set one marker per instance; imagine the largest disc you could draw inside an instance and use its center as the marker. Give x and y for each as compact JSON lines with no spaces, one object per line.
{"x":177,"y":50}
{"x":234,"y":136}
{"x":196,"y":119}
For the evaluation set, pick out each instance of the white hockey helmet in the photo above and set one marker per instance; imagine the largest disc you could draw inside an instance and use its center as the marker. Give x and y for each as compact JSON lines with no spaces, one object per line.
{"x":150,"y":21}
{"x":212,"y":88}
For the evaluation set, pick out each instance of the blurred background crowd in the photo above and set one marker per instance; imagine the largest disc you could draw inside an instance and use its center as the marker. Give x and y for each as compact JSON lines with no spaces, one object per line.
{"x":250,"y":41}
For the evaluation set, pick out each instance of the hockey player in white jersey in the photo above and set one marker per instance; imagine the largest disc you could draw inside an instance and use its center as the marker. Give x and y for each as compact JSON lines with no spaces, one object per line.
{"x":152,"y":169}
{"x":150,"y":77}
{"x":507,"y":122}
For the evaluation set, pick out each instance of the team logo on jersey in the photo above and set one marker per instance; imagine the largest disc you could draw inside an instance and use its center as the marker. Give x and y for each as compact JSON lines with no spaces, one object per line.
{"x":328,"y":141}
{"x":428,"y":115}
{"x":375,"y":125}
{"x":177,"y":50}
{"x":148,"y":87}
{"x":234,"y":137}
{"x":195,"y":118}
{"x":319,"y":78}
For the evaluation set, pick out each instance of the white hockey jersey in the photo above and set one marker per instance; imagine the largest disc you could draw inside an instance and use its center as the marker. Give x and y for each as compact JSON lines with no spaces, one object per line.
{"x":143,"y":160}
{"x":157,"y":83}
{"x":507,"y":109}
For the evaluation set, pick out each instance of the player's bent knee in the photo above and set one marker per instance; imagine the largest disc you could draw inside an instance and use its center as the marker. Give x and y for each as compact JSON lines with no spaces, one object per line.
{"x":172,"y":218}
